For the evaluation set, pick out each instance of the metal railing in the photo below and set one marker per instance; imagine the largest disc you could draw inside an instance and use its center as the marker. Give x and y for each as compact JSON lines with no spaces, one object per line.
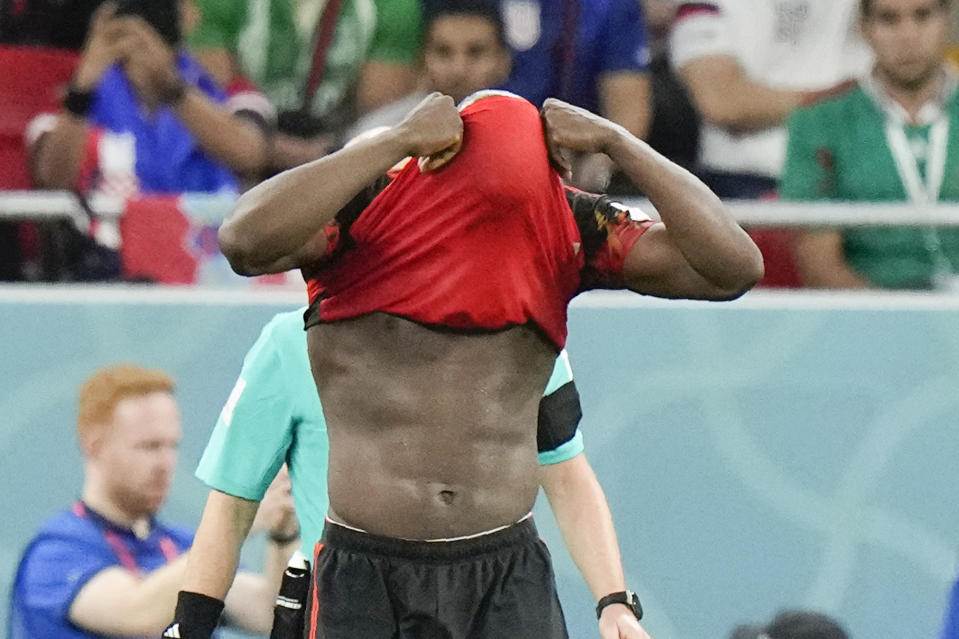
{"x":44,"y":205}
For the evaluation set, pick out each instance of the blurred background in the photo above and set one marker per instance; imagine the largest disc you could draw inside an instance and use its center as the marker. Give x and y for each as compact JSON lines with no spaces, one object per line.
{"x":795,"y":448}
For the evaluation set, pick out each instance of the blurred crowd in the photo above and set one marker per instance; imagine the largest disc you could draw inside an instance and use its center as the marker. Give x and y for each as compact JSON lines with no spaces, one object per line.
{"x":762,"y":99}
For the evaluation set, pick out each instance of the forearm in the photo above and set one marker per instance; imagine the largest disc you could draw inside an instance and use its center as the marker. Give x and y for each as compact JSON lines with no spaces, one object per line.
{"x":278,"y":217}
{"x":699,"y":225}
{"x":249,"y":603}
{"x":238,"y":144}
{"x":582,"y":513}
{"x":59,"y":155}
{"x":726,"y":97}
{"x":288,"y":151}
{"x":154,"y":598}
{"x":746,"y":106}
{"x":215,"y":554}
{"x":118,"y":602}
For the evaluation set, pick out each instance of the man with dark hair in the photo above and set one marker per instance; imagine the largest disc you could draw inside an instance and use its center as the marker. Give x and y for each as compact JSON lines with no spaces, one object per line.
{"x":463,"y":52}
{"x":463,"y":47}
{"x":893,"y":137}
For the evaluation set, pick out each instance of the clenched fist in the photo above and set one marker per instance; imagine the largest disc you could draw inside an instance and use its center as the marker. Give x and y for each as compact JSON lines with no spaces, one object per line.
{"x":570,"y":127}
{"x":432,"y":131}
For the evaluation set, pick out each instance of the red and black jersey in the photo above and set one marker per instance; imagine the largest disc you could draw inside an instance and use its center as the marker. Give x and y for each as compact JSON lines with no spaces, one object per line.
{"x":487,"y":242}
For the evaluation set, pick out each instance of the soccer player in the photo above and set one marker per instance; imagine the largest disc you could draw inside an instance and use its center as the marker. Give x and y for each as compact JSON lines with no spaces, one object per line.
{"x":274,"y":415}
{"x":437,"y":312}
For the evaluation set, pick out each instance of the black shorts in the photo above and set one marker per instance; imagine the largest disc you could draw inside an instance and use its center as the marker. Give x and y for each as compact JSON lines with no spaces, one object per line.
{"x":496,"y":586}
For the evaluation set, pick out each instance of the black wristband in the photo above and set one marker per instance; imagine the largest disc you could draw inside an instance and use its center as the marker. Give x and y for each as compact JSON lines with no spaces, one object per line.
{"x":78,"y":102}
{"x":196,"y":616}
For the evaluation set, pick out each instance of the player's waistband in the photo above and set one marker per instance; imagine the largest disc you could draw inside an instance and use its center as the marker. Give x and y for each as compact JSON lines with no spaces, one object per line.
{"x":340,"y":537}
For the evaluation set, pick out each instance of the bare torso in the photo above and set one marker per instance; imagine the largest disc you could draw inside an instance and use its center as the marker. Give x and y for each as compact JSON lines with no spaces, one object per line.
{"x":432,"y":433}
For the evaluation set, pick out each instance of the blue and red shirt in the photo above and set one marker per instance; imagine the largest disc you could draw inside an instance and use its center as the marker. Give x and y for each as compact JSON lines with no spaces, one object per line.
{"x":66,"y":553}
{"x":561,"y":48}
{"x":167,"y":157}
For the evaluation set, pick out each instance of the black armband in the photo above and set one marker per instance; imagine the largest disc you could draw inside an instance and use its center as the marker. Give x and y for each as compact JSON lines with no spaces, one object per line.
{"x":77,"y":102}
{"x":559,"y":415}
{"x":196,"y":616}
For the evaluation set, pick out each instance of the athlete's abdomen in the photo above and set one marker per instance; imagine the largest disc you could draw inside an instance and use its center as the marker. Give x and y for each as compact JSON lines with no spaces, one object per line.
{"x":432,"y":432}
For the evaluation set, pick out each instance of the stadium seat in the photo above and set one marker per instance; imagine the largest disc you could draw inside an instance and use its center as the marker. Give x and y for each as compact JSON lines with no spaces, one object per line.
{"x":31,"y":81}
{"x":776,"y":247}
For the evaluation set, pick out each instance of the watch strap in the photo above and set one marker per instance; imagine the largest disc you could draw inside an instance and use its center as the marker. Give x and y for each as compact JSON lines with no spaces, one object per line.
{"x":625,"y":597}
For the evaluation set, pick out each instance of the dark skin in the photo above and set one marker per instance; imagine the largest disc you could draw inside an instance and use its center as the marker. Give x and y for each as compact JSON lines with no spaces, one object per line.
{"x":446,"y":448}
{"x":432,"y":432}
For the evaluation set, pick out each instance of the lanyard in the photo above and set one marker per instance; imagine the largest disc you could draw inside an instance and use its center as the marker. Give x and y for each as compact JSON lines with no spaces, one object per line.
{"x":917,"y":191}
{"x":907,"y":166}
{"x":324,"y":38}
{"x":126,"y":558}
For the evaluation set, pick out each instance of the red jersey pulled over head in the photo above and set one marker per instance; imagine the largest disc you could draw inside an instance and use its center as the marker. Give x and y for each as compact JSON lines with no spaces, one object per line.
{"x":486,"y":242}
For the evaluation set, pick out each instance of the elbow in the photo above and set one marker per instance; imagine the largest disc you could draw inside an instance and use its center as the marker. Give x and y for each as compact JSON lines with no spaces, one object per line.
{"x":754,"y":268}
{"x":750,"y":273}
{"x":237,"y":247}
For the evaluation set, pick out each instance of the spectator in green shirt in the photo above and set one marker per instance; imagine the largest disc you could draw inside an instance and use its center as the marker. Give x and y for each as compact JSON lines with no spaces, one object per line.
{"x":889,"y":138}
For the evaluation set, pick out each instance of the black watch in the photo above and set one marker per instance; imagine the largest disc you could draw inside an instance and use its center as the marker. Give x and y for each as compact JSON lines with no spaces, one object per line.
{"x":625,"y":597}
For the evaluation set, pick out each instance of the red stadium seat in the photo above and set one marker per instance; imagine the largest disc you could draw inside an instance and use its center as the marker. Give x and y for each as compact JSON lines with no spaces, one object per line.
{"x":776,"y":247}
{"x":31,"y":81}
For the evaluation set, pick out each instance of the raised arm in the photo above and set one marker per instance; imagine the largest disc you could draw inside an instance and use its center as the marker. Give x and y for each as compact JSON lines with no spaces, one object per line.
{"x":278,"y":224}
{"x":234,"y":141}
{"x":57,"y":157}
{"x":699,"y":251}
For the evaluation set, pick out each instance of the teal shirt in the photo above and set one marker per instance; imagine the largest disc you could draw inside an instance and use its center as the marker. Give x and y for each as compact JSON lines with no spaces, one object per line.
{"x":273,"y":415}
{"x":838,"y":151}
